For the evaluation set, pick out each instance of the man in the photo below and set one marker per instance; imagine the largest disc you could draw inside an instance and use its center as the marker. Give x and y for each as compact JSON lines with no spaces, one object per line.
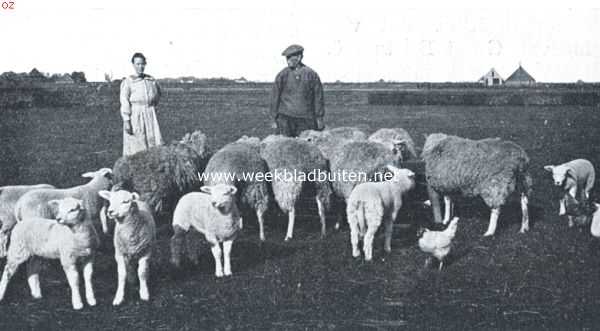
{"x":297,"y":101}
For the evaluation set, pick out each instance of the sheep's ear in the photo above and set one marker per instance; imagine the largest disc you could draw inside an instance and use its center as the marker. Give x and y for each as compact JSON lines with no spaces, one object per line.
{"x":232,"y":190}
{"x":392,"y":168}
{"x":104,"y":194}
{"x":549,"y":168}
{"x":205,"y":189}
{"x":135,"y":196}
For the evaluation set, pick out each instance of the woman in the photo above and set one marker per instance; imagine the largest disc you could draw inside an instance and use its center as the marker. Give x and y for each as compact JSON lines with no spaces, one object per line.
{"x":139,"y":96}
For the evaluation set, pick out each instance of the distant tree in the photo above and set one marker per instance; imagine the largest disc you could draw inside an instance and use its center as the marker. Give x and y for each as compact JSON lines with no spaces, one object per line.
{"x":36,"y":75}
{"x":108,"y":77}
{"x":78,"y":77}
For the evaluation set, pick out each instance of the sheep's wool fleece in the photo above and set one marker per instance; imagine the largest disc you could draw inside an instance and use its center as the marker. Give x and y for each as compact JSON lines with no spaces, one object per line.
{"x":289,"y":154}
{"x":359,"y":157}
{"x":490,"y":168}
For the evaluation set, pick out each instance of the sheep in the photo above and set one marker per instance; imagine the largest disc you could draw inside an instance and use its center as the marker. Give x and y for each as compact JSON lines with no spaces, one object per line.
{"x":374,"y":203}
{"x":214,"y":213}
{"x":489,"y":168}
{"x":134,"y":236}
{"x":162,"y":174}
{"x":575,"y":178}
{"x":294,"y":156}
{"x":329,"y":140}
{"x":396,"y":138}
{"x":71,"y":237}
{"x":34,"y":203}
{"x":9,"y":195}
{"x":231,"y":165}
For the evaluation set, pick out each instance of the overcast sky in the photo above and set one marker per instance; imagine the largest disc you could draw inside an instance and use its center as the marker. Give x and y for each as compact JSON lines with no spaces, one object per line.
{"x":364,"y":42}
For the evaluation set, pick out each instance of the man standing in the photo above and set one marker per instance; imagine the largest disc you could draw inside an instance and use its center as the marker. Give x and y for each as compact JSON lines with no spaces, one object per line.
{"x":297,"y":101}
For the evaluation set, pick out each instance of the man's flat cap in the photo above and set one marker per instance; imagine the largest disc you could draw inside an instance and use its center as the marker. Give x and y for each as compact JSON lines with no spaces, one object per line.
{"x":293,"y":49}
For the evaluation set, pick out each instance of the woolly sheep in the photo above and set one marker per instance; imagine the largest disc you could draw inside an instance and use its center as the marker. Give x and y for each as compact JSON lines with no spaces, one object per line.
{"x":330,"y":140}
{"x":231,"y":164}
{"x":34,"y":203}
{"x":134,"y":236}
{"x":396,"y":138}
{"x":489,"y":168}
{"x":162,"y":174}
{"x":371,"y":204}
{"x":9,"y":195}
{"x":71,"y":237}
{"x":294,"y":156}
{"x":575,"y":178}
{"x":214,"y":213}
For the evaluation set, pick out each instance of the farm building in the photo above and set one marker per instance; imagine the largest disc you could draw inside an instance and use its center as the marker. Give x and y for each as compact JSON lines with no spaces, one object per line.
{"x":520,"y":77}
{"x":492,"y":78}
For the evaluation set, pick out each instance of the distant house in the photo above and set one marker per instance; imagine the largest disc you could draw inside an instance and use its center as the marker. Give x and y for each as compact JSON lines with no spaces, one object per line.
{"x":241,"y":80}
{"x":520,"y":77}
{"x":492,"y":78}
{"x":63,"y":79}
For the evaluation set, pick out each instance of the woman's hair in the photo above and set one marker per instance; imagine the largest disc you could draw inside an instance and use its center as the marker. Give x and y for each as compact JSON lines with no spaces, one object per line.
{"x":140,"y":55}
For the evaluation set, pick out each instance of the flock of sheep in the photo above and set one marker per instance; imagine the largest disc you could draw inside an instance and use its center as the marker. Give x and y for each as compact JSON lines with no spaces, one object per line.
{"x":41,"y":221}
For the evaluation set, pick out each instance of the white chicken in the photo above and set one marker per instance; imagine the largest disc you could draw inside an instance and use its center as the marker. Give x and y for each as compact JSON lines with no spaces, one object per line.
{"x":437,"y":243}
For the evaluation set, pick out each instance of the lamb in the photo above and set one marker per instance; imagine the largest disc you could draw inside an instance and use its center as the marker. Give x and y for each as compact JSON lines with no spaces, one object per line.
{"x":214,"y":213}
{"x":134,"y":236}
{"x":396,"y":138}
{"x":438,"y":243}
{"x":294,"y":156}
{"x":489,"y":168}
{"x":575,"y":178}
{"x":71,"y":237}
{"x":9,"y":195}
{"x":163,"y":174}
{"x":231,"y":164}
{"x":34,"y":203}
{"x":371,"y":204}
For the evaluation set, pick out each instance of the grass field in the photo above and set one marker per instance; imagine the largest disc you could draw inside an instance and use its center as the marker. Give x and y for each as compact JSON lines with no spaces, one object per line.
{"x":545,"y":279}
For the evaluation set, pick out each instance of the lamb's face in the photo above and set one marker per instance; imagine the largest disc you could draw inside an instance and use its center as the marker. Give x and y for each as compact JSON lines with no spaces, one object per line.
{"x":559,"y":174}
{"x":402,"y":175}
{"x":70,"y":211}
{"x":221,"y":196}
{"x":121,"y":203}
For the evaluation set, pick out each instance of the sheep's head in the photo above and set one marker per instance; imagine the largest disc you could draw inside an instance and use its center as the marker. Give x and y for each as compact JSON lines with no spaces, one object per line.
{"x":433,"y":140}
{"x":559,"y":173}
{"x":197,"y":141}
{"x":403,"y":175}
{"x":69,"y":211}
{"x":103,"y":175}
{"x":222,"y":196}
{"x":120,"y":203}
{"x":313,"y":136}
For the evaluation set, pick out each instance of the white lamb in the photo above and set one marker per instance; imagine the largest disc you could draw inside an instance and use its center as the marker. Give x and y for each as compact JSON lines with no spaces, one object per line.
{"x":70,"y":237}
{"x":135,"y":233}
{"x":215,"y":215}
{"x":373,"y":203}
{"x":575,"y":178}
{"x":35,"y":203}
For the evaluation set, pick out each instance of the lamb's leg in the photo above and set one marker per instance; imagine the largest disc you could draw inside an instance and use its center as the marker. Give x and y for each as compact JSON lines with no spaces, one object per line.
{"x":9,"y":271}
{"x":354,"y":237}
{"x":226,"y":256}
{"x":143,"y":266}
{"x":448,"y":209}
{"x":88,"y":273}
{"x":434,"y":197}
{"x":122,"y":277}
{"x":368,"y":243}
{"x":177,"y":245}
{"x":524,"y":213}
{"x":573,"y":193}
{"x":493,"y":222}
{"x":561,"y":207}
{"x":428,"y":262}
{"x":571,"y":221}
{"x":73,"y":279}
{"x":441,"y":265}
{"x":217,"y":254}
{"x":389,"y":229}
{"x":290,"y":228}
{"x":33,"y":277}
{"x":322,"y":217}
{"x":261,"y":224}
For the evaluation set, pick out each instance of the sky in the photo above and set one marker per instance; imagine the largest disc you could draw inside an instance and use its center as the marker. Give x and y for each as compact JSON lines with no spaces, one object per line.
{"x":349,"y":41}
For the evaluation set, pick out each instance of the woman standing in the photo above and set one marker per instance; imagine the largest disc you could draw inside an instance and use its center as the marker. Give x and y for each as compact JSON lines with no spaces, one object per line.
{"x":139,"y":96}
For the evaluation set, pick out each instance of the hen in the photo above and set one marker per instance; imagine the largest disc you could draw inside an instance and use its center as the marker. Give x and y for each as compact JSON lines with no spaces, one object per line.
{"x":437,"y":243}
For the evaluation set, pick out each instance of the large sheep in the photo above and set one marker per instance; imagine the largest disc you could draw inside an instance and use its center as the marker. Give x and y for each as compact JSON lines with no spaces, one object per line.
{"x":396,"y":138}
{"x":135,"y":233}
{"x":35,"y":202}
{"x":214,"y":213}
{"x":69,"y":237}
{"x":9,"y":195}
{"x":489,"y":168}
{"x":575,"y":178}
{"x":231,"y":165}
{"x":162,"y":174}
{"x":292,"y":162}
{"x":371,"y":204}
